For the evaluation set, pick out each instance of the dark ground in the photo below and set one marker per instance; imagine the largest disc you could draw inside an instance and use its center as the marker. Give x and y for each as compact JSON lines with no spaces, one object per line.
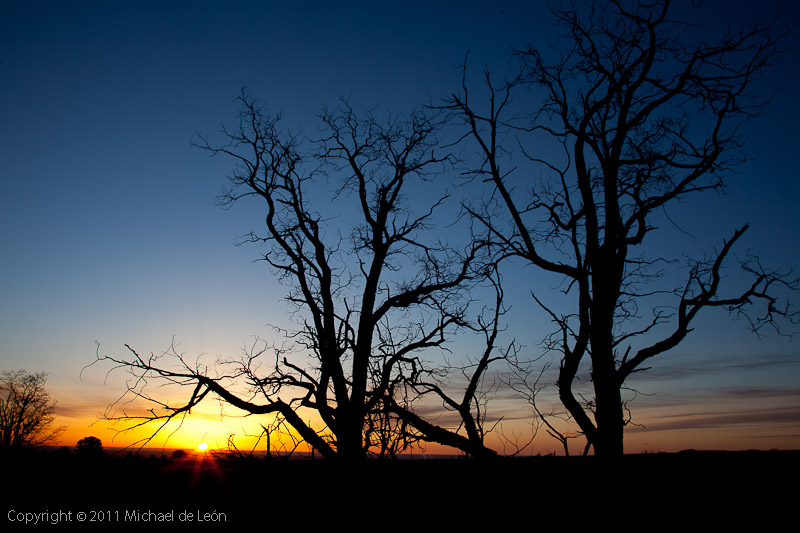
{"x":636,"y":491}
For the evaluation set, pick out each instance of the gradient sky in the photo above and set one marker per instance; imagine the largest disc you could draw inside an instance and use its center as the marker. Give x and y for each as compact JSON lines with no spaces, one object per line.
{"x":108,"y":230}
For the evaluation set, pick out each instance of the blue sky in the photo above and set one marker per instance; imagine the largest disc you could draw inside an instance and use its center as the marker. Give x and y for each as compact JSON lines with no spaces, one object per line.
{"x":107,"y":225}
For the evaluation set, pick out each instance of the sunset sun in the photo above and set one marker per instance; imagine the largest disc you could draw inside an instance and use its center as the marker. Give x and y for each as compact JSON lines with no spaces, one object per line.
{"x":202,"y":446}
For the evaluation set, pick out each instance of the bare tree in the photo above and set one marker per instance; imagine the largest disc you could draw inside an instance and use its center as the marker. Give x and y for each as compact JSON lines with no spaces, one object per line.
{"x":375,"y":288}
{"x":27,"y":412}
{"x":640,"y":119}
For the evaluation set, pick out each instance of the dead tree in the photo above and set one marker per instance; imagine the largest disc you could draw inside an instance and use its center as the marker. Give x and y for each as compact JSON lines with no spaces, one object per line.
{"x":27,"y":412}
{"x":352,"y":224}
{"x":636,"y":118}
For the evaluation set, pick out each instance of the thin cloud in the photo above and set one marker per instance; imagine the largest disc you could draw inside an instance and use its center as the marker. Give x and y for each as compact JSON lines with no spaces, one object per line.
{"x":687,"y":366}
{"x":716,"y":420}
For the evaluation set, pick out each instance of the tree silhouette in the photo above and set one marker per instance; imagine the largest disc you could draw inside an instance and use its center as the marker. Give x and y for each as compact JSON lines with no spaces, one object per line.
{"x":635,"y":119}
{"x":90,"y":447}
{"x":375,"y":288}
{"x":27,"y":412}
{"x":178,"y":455}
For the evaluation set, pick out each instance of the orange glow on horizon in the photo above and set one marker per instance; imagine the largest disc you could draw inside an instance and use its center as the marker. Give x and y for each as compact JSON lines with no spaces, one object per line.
{"x":662,"y":431}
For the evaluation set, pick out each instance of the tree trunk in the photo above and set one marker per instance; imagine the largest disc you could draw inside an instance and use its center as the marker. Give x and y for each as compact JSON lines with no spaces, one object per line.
{"x":608,"y":414}
{"x":609,"y":419}
{"x":349,"y":438}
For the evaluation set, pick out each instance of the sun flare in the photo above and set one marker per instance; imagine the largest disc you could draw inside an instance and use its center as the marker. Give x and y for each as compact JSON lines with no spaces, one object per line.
{"x":202,"y":446}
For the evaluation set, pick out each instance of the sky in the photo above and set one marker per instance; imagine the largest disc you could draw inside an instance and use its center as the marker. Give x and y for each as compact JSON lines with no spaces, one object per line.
{"x":109,"y":232}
